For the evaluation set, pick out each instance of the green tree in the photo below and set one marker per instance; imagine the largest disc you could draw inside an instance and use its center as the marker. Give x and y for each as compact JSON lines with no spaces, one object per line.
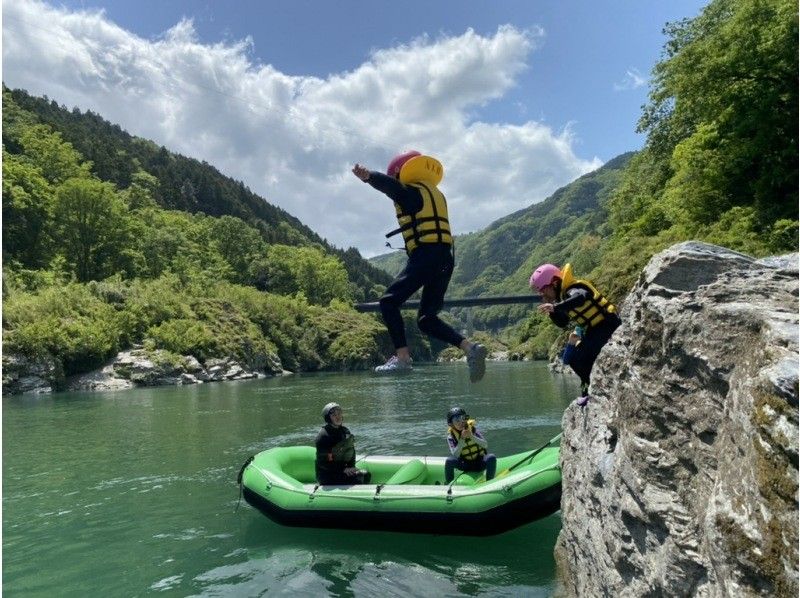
{"x":723,"y":110}
{"x":55,"y":158}
{"x":142,"y":191}
{"x":238,"y":243}
{"x":720,"y":162}
{"x":93,"y":228}
{"x":27,"y":213}
{"x":289,"y":270}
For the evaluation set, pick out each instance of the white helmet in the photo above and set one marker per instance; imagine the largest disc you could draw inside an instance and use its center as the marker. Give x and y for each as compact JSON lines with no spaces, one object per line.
{"x":326,"y":411}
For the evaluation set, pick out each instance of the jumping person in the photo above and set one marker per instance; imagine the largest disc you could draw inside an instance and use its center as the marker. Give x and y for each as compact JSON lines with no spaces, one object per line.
{"x":411,"y":181}
{"x":468,"y":447}
{"x":336,"y":451}
{"x":566,"y":298}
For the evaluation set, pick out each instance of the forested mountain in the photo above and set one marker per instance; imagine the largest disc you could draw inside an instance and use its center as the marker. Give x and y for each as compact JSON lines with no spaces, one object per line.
{"x":181,"y":183}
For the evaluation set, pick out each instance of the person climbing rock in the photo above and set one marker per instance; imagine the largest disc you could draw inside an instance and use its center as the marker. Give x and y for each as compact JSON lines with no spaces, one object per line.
{"x":568,"y":299}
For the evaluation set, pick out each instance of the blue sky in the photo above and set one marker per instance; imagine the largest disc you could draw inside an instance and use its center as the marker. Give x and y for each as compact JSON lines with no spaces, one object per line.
{"x":517,"y":98}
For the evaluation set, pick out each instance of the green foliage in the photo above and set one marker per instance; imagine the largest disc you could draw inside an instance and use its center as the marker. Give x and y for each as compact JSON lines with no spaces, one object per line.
{"x":720,"y":163}
{"x":142,"y":191}
{"x":350,"y":340}
{"x":146,"y":304}
{"x":289,"y":270}
{"x":238,"y":243}
{"x":27,"y":213}
{"x":218,"y":329}
{"x":535,"y":337}
{"x":56,"y":159}
{"x":66,"y":322}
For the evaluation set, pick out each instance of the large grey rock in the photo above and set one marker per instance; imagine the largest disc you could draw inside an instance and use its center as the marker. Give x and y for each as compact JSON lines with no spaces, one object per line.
{"x":23,"y":374}
{"x":680,"y":476}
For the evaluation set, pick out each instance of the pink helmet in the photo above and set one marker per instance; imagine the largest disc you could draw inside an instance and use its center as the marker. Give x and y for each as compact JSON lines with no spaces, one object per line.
{"x":543,"y":276}
{"x":397,"y":162}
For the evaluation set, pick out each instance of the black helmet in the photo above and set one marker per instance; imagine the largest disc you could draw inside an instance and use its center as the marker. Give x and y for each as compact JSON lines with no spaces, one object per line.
{"x":326,"y":411}
{"x":454,"y":413}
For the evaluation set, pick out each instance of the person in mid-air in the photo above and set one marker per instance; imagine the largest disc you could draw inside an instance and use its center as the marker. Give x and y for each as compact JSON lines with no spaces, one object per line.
{"x":411,"y":182}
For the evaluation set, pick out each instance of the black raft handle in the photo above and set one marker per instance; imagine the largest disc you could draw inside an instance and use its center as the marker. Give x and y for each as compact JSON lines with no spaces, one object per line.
{"x":241,"y":470}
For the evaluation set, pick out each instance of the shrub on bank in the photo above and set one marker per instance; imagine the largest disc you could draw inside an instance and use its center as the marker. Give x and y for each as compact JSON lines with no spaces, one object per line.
{"x":69,"y":323}
{"x":82,"y":325}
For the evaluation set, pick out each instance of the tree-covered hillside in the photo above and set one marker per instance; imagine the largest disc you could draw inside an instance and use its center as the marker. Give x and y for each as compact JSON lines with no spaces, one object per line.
{"x":91,"y":267}
{"x":720,"y":162}
{"x":181,"y":183}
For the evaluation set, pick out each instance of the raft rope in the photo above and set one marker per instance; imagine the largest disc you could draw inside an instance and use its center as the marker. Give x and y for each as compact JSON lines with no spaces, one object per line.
{"x":449,"y":495}
{"x":417,"y":497}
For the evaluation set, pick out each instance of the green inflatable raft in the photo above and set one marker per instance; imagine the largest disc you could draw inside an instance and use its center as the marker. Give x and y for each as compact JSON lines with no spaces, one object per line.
{"x":406,"y":494}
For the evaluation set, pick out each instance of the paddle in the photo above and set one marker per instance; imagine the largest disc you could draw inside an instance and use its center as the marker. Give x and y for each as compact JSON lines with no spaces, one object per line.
{"x":520,"y":462}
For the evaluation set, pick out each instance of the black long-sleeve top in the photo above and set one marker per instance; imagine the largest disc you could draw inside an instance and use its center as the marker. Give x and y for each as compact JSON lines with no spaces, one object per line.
{"x":407,"y":197}
{"x":328,"y":457}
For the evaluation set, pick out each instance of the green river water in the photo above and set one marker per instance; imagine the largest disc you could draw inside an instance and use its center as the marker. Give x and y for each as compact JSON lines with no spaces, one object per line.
{"x":133,"y":493}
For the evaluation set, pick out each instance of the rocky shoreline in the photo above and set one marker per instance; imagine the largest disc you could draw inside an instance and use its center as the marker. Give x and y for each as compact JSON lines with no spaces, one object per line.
{"x":138,"y":367}
{"x":128,"y":369}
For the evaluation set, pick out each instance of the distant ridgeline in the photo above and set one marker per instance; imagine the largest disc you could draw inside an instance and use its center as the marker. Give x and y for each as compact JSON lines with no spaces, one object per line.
{"x":181,"y":183}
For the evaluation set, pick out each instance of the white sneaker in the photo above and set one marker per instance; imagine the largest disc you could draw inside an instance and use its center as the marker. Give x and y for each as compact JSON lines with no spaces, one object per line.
{"x":476,"y":361}
{"x":395,"y":364}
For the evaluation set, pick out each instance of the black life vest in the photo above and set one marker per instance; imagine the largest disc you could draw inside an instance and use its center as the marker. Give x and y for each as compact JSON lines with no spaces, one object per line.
{"x":340,"y":454}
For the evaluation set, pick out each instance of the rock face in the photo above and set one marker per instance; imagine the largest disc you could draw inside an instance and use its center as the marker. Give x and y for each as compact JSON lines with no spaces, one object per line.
{"x":680,"y":476}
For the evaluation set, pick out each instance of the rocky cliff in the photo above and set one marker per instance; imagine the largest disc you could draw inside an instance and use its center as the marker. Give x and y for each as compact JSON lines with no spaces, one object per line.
{"x":680,"y":476}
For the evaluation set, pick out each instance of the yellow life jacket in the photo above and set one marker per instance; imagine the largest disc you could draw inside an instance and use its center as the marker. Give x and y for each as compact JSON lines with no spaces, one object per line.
{"x":429,"y":225}
{"x":592,"y":311}
{"x":471,"y":450}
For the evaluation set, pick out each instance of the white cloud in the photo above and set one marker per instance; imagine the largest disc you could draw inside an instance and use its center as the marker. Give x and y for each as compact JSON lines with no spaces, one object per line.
{"x":633,"y":80}
{"x":293,"y":139}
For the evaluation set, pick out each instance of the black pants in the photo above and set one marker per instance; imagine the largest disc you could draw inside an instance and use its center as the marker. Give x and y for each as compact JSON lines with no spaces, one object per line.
{"x":594,"y":339}
{"x":340,"y":478}
{"x":487,"y":462}
{"x":429,"y":267}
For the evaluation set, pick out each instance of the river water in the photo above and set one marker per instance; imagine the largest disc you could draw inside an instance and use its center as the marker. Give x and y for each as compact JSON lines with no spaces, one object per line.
{"x":133,"y":493}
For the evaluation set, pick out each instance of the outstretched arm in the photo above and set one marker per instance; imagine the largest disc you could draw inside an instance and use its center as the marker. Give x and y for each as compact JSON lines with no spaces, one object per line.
{"x":409,"y":198}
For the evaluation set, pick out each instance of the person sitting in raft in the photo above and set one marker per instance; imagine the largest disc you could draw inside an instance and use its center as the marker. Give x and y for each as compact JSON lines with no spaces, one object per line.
{"x":336,"y":451}
{"x":411,"y":181}
{"x":566,"y":298}
{"x":467,"y":447}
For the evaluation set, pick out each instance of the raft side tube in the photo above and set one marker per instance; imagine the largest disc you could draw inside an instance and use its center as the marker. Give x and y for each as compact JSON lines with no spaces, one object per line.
{"x":503,"y":518}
